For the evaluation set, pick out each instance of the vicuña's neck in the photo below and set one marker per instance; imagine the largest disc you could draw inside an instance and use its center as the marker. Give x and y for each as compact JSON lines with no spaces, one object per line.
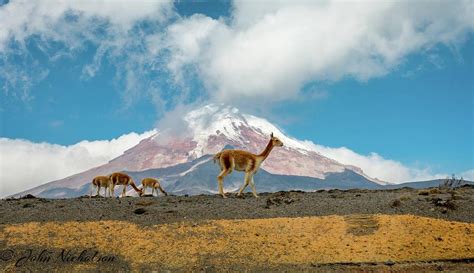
{"x":134,"y":186}
{"x":263,"y":155}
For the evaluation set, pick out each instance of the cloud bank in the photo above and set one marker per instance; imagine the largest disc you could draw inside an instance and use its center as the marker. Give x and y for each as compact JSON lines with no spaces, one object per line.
{"x":467,"y":175}
{"x":25,"y":164}
{"x":376,"y":166}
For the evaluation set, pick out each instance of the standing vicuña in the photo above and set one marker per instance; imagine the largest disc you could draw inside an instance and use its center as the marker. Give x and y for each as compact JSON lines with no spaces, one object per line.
{"x":243,"y":161}
{"x":122,"y":179}
{"x":100,"y":182}
{"x":152,"y":183}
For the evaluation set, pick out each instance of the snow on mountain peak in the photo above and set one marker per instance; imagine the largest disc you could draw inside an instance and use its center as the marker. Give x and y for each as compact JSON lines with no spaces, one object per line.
{"x":213,"y":119}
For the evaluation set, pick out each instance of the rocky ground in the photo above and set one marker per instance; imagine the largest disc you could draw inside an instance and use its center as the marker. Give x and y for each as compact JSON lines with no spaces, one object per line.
{"x":353,"y":230}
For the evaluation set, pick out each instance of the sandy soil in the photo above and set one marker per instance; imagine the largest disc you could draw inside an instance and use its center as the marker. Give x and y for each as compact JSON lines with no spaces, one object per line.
{"x":356,"y":230}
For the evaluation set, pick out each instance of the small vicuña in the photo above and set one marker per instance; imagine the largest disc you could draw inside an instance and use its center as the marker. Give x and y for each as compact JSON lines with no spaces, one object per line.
{"x":152,"y":183}
{"x":100,"y":182}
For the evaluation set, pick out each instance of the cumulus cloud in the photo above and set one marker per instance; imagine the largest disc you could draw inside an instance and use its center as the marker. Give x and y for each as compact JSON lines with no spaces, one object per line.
{"x":25,"y":164}
{"x":272,"y":50}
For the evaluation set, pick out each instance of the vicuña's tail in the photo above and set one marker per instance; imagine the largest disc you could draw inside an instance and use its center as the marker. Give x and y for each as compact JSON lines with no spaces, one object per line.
{"x":93,"y":186}
{"x":217,"y":157}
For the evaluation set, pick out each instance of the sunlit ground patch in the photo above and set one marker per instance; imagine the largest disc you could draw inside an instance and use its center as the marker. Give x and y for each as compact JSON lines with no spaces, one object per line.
{"x":329,"y":239}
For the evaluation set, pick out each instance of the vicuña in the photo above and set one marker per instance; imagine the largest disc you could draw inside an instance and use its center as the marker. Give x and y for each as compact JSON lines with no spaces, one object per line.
{"x":122,"y":179}
{"x":152,"y":183}
{"x":244,"y":161}
{"x":100,"y":182}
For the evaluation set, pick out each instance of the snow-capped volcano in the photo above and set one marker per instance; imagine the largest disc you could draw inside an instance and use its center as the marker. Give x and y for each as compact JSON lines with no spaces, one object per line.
{"x":213,"y":126}
{"x":207,"y":130}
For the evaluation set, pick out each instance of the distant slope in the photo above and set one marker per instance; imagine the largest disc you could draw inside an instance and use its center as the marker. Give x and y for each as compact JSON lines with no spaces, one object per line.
{"x":421,"y":184}
{"x":203,"y":180}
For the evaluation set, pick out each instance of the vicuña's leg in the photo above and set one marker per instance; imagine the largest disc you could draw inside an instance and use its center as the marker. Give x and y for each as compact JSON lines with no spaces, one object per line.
{"x":124,"y":190}
{"x":220,"y":181}
{"x":252,"y":184}
{"x":92,"y":189}
{"x":162,"y":190}
{"x":98,"y":190}
{"x":153,"y":191}
{"x":112,"y":190}
{"x":246,"y":183}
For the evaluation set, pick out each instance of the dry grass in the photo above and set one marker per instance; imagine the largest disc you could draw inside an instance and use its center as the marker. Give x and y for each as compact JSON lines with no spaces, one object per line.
{"x":405,"y":197}
{"x":330,"y":239}
{"x":423,"y":192}
{"x":429,"y":191}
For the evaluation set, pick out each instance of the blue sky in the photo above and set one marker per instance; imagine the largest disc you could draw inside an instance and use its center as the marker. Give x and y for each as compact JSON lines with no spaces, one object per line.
{"x":412,"y":103}
{"x":425,"y":118}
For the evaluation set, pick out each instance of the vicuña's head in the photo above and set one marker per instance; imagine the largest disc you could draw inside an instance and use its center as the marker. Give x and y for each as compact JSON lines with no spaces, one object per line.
{"x":276,"y":141}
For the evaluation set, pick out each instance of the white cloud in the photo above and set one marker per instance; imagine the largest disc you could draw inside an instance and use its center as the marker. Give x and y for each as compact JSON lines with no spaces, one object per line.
{"x":272,"y":50}
{"x":376,"y":166}
{"x":25,"y":164}
{"x":17,"y":81}
{"x":20,"y":19}
{"x":467,"y":175}
{"x":187,"y":40}
{"x":61,"y":28}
